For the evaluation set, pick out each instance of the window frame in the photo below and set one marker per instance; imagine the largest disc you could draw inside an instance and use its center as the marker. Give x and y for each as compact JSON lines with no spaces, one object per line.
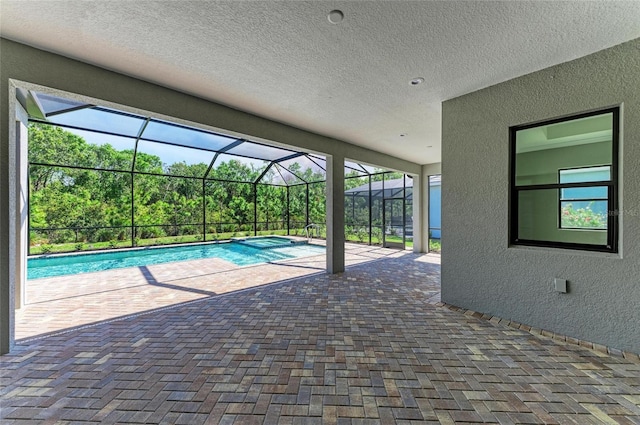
{"x":612,"y":230}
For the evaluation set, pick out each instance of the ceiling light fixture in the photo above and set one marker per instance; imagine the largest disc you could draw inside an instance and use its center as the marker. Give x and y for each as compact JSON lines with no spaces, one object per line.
{"x":416,"y":81}
{"x":335,"y":16}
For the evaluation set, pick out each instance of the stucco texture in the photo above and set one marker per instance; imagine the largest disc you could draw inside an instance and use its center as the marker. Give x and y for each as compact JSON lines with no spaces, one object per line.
{"x":480,"y":271}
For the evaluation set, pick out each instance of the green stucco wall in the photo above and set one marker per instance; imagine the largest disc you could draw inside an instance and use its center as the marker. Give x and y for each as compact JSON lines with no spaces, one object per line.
{"x":480,"y":271}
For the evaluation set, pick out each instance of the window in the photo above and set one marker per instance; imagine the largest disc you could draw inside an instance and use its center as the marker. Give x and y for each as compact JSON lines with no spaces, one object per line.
{"x":584,"y":207}
{"x":564,"y":182}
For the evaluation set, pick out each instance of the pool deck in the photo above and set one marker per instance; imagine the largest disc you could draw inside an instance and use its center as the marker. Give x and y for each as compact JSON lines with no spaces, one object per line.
{"x":59,"y":303}
{"x":367,"y":346}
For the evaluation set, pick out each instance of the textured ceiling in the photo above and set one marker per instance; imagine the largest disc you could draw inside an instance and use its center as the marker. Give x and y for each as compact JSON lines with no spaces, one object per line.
{"x":285,"y":61}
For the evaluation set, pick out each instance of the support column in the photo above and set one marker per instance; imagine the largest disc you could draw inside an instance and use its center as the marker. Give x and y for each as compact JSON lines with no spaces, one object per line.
{"x":22,"y":204}
{"x":420,"y":219}
{"x":288,"y":212}
{"x":335,"y":214}
{"x":255,"y":209}
{"x":10,"y":212}
{"x":421,"y":206}
{"x":308,"y":222}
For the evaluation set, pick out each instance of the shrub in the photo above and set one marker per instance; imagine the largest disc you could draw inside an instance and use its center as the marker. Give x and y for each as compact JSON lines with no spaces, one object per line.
{"x":104,"y":235}
{"x":376,"y":233}
{"x":152,"y":232}
{"x":190,"y":230}
{"x":435,"y":245}
{"x":362,"y":234}
{"x":79,"y":246}
{"x":46,"y":248}
{"x":35,"y":238}
{"x":227,"y":228}
{"x":348,"y":232}
{"x":63,"y":236}
{"x":582,"y":218}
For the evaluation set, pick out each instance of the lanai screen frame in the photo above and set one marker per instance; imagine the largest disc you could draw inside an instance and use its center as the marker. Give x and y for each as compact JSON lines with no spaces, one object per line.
{"x":372,"y":195}
{"x":308,"y":186}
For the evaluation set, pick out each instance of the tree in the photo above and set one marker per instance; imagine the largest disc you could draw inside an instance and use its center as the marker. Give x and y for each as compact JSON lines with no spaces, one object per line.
{"x":53,"y":145}
{"x":96,"y":190}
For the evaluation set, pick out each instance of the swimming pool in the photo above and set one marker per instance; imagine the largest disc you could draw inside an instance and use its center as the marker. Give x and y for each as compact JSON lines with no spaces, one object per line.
{"x":236,"y":253}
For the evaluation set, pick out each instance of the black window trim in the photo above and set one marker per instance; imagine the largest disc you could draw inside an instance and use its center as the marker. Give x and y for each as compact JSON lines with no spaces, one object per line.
{"x":612,"y":193}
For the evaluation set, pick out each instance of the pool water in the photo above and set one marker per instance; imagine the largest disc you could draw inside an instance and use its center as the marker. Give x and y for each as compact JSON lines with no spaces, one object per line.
{"x":236,"y":253}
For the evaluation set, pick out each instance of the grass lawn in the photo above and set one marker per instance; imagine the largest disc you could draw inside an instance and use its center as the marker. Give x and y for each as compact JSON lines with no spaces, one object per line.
{"x":434,"y":244}
{"x":165,"y":240}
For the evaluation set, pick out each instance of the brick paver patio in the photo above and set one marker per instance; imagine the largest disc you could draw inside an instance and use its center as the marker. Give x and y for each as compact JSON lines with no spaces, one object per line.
{"x":58,"y":303}
{"x":368,"y":346}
